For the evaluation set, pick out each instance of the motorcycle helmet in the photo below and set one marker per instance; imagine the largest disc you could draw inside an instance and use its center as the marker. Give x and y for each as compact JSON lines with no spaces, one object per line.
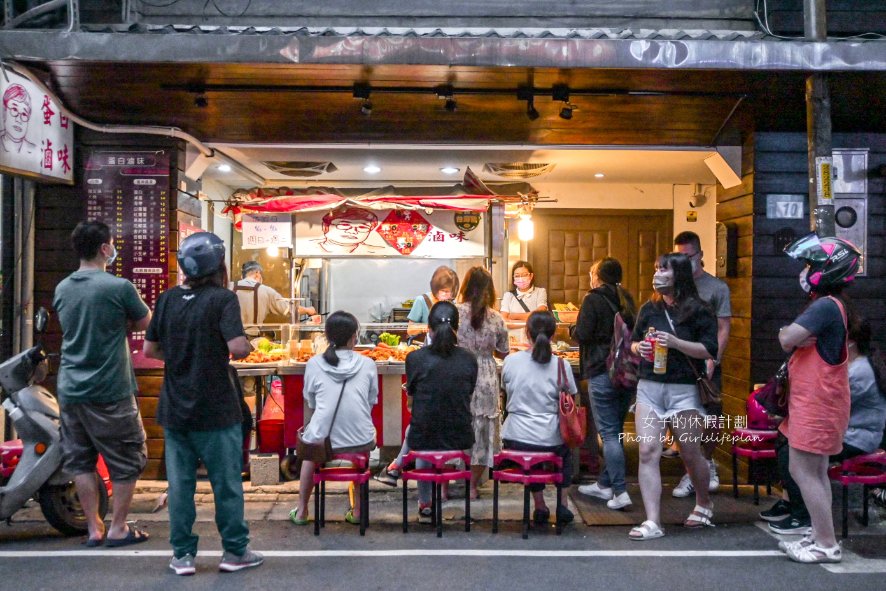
{"x":201,"y":254}
{"x":758,"y":418}
{"x":832,"y":261}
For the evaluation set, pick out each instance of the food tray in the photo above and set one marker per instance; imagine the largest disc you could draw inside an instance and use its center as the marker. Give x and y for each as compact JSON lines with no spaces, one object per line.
{"x":244,"y":365}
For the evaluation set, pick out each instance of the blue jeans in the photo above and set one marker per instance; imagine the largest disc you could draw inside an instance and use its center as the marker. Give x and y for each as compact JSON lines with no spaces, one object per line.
{"x":610,"y":406}
{"x":222,"y":453}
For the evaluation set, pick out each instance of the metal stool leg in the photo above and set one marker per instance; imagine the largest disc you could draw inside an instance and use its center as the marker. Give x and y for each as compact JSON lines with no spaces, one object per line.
{"x":405,"y":526}
{"x":525,"y":512}
{"x":364,"y":507}
{"x":438,"y":508}
{"x":864,"y":515}
{"x":845,"y":511}
{"x":734,"y":474}
{"x":467,"y":505}
{"x":317,"y":509}
{"x":494,"y":504}
{"x":752,"y":472}
{"x":559,"y":525}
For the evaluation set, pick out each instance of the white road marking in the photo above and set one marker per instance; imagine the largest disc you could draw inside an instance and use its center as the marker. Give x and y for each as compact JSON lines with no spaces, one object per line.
{"x":404,"y":552}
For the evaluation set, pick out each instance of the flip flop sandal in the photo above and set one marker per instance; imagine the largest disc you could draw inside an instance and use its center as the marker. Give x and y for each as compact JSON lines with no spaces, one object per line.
{"x":293,"y":517}
{"x":648,"y":530}
{"x":700,"y":517}
{"x":814,"y":554}
{"x":91,"y":543}
{"x":135,"y":536}
{"x":351,"y":518}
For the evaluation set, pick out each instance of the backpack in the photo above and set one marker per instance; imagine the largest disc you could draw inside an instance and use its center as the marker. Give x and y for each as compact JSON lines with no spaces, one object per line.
{"x":622,"y":364}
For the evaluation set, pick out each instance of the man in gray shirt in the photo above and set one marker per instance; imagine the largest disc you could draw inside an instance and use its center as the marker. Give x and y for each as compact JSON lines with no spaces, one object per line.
{"x":716,"y":293}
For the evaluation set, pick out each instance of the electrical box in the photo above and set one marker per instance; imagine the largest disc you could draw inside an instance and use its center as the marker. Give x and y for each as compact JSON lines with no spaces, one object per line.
{"x":851,"y":199}
{"x":727,"y":250}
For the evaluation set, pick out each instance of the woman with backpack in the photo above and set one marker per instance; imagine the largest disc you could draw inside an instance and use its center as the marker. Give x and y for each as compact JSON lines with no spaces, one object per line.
{"x":683,"y":323}
{"x":594,"y":333}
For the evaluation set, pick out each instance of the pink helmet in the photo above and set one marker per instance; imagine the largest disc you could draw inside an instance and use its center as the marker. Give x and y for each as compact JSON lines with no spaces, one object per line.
{"x":758,"y":418}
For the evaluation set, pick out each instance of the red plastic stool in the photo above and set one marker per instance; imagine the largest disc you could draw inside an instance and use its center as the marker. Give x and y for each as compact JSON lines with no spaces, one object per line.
{"x":355,"y":470}
{"x":753,"y":444}
{"x":868,"y":470}
{"x":441,"y":471}
{"x":529,"y":469}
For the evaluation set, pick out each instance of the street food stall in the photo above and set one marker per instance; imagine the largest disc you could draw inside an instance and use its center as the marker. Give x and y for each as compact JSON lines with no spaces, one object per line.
{"x":371,"y":255}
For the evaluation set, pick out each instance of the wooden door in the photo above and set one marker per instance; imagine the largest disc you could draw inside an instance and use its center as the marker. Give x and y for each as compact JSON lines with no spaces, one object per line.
{"x":568,"y":241}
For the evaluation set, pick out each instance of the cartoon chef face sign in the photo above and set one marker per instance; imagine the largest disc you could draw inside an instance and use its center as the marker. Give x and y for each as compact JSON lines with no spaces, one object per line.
{"x":346,"y":229}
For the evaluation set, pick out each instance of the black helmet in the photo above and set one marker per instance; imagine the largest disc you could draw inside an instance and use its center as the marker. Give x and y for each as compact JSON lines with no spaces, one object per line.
{"x":201,"y":254}
{"x":832,"y":261}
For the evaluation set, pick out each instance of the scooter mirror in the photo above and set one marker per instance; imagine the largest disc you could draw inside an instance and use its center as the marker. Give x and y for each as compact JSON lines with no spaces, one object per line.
{"x":41,"y":318}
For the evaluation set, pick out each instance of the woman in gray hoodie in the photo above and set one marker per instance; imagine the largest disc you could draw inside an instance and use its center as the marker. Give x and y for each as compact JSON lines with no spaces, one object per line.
{"x":339,"y":372}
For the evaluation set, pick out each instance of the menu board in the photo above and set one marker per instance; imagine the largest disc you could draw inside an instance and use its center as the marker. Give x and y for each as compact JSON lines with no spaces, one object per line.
{"x":129,"y":191}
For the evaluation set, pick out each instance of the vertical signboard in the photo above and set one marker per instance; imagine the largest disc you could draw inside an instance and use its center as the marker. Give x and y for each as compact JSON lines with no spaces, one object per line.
{"x":36,"y":140}
{"x":129,"y":191}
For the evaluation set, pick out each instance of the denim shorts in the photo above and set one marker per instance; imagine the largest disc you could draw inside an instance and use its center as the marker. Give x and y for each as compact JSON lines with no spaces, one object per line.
{"x":669,"y":399}
{"x":112,"y":429}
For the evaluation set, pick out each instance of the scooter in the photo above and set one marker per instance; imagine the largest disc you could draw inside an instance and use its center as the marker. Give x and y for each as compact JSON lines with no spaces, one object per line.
{"x":31,"y":467}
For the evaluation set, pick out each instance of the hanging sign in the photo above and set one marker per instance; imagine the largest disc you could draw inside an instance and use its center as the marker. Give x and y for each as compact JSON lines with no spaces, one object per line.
{"x":261,"y":230}
{"x":824,"y":165}
{"x":36,"y":139}
{"x":355,"y":231}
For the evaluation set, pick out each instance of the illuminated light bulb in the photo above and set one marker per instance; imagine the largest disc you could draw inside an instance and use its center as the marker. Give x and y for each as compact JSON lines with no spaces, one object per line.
{"x":273,"y":251}
{"x":525,"y":227}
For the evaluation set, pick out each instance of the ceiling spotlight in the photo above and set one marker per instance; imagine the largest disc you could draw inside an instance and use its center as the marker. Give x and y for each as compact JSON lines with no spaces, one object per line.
{"x":599,"y":175}
{"x":366,"y":107}
{"x":560,"y":92}
{"x":200,"y":101}
{"x":446,"y":93}
{"x":449,"y":170}
{"x":371,"y":169}
{"x":450,"y":105}
{"x":531,"y":111}
{"x":224,"y":168}
{"x":362,"y":91}
{"x":566,"y":111}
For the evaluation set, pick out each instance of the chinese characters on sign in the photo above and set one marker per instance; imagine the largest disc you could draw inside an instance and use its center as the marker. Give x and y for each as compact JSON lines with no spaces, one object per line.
{"x":129,"y":191}
{"x":35,"y":139}
{"x":261,"y":230}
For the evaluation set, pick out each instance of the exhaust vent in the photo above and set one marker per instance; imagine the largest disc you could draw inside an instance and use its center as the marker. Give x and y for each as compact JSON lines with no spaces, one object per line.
{"x":300,"y":169}
{"x":518,"y":170}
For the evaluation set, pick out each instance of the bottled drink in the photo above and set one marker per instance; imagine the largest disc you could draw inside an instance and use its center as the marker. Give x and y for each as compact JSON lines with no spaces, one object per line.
{"x":650,"y":338}
{"x":660,"y":358}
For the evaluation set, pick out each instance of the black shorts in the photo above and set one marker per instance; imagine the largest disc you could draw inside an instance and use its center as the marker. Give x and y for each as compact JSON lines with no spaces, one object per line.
{"x":112,"y":429}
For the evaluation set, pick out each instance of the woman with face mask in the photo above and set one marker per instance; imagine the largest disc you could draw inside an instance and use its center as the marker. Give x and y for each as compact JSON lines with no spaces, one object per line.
{"x":686,"y":325}
{"x":520,"y":302}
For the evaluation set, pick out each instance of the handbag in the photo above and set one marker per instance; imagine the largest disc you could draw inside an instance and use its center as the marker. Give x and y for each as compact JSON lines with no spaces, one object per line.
{"x":773,"y":396}
{"x":573,"y":418}
{"x":710,"y":397}
{"x":321,"y":452}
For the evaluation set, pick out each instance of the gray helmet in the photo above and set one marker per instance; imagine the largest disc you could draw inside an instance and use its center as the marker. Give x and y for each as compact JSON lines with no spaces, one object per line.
{"x":201,"y":254}
{"x":250,"y":266}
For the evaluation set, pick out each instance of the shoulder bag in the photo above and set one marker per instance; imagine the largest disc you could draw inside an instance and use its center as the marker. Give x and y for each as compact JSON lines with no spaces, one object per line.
{"x":710,"y":396}
{"x":773,"y":396}
{"x":321,"y":452}
{"x":573,"y":418}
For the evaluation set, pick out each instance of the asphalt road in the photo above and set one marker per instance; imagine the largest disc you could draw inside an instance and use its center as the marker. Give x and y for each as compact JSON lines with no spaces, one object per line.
{"x":33,"y":557}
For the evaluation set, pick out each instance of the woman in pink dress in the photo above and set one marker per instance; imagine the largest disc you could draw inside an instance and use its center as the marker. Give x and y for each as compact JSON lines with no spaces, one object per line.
{"x":818,"y":406}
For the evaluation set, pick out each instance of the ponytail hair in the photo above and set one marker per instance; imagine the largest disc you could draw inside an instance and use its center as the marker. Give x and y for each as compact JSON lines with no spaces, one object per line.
{"x":340,"y":328}
{"x":443,"y":323}
{"x":541,"y":327}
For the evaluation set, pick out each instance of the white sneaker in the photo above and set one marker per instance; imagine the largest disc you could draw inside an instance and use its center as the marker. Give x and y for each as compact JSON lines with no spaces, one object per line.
{"x":595,"y":490}
{"x":685,"y":488}
{"x":619,"y":501}
{"x":714,"y":483}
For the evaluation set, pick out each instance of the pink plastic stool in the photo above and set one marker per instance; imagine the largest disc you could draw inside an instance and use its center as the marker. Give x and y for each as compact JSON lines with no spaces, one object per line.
{"x":868,"y":470}
{"x":441,"y":471}
{"x":355,"y":470}
{"x":753,"y":444}
{"x":532,"y":467}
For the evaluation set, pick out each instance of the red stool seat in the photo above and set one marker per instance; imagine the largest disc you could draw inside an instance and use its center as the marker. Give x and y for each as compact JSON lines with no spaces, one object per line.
{"x":755,"y":445}
{"x":868,"y":470}
{"x":10,"y":453}
{"x":441,"y":470}
{"x":526,"y":468}
{"x":346,"y":467}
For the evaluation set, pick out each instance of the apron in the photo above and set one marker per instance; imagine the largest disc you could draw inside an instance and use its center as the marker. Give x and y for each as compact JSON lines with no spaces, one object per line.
{"x":251,"y":331}
{"x":819,"y":400}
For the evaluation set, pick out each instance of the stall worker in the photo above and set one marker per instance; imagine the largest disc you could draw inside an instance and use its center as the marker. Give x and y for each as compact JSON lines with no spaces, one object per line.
{"x":257,"y":300}
{"x":520,"y":302}
{"x":444,"y":286}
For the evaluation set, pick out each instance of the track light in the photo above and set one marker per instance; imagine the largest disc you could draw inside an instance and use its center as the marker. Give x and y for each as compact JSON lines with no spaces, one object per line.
{"x":450,"y":105}
{"x":446,"y":93}
{"x":200,"y":101}
{"x":362,"y":91}
{"x":531,"y":112}
{"x":566,"y":111}
{"x":560,"y":92}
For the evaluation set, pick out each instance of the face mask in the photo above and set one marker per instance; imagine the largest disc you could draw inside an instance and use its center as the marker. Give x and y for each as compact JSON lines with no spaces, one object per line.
{"x":113,"y":257}
{"x":521,"y":284}
{"x":663,"y":284}
{"x":804,"y":284}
